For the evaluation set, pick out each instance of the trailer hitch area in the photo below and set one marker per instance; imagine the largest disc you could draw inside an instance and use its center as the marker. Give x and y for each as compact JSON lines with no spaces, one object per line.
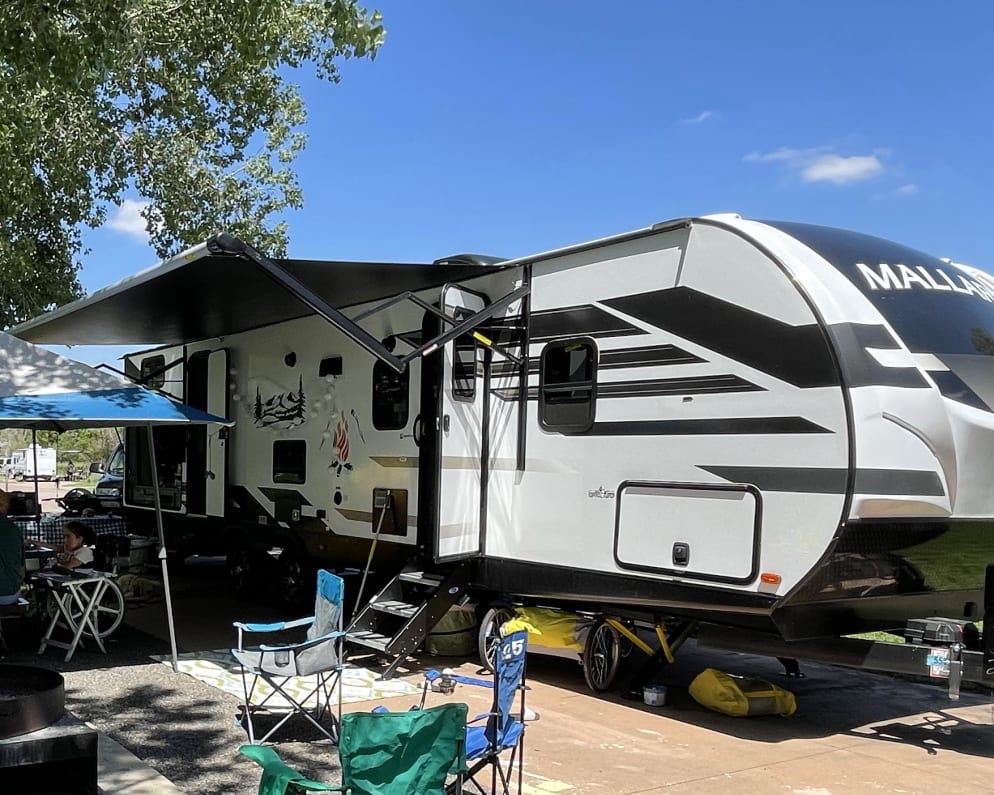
{"x":955,"y":670}
{"x":947,"y":663}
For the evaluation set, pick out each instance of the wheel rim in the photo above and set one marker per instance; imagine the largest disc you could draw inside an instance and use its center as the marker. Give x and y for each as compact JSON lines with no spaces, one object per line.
{"x":601,"y":657}
{"x":238,"y":570}
{"x":493,"y":620}
{"x":291,"y":580}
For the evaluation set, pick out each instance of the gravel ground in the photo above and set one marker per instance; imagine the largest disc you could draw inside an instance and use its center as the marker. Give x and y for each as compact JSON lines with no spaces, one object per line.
{"x":176,"y":724}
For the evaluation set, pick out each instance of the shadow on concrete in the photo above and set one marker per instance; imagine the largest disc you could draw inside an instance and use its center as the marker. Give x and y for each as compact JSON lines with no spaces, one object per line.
{"x":831,"y":701}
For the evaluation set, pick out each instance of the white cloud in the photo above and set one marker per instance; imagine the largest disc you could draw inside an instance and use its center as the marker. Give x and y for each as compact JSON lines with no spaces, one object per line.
{"x":822,"y":165}
{"x":842,"y":170}
{"x":703,"y":116}
{"x":777,"y":154}
{"x":127,"y":219}
{"x":907,"y":190}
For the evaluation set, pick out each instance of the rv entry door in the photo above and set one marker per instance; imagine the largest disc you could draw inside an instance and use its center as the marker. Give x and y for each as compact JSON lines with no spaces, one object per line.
{"x":460,"y":434}
{"x":206,"y":475}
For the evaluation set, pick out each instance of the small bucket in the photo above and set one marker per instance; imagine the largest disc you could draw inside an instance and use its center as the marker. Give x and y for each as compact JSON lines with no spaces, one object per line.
{"x":654,"y":695}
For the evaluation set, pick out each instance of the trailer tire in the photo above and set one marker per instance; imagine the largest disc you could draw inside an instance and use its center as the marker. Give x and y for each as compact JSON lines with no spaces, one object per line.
{"x":601,"y":656}
{"x":244,"y":571}
{"x":297,"y":579}
{"x":489,"y":633}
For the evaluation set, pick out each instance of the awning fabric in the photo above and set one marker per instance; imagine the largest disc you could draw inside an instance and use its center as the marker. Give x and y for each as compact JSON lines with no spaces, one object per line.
{"x":202,"y":295}
{"x":45,"y":391}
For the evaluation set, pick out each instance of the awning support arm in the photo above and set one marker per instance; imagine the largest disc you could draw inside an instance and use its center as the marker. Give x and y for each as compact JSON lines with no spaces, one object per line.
{"x":469,"y":324}
{"x":227,"y":244}
{"x":408,"y":296}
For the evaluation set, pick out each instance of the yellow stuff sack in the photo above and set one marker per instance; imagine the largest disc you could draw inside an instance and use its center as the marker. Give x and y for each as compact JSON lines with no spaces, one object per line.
{"x":740,"y":696}
{"x":554,"y":629}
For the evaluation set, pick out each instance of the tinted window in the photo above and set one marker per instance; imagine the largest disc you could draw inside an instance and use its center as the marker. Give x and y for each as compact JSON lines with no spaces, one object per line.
{"x":290,"y":461}
{"x":153,"y":373}
{"x":935,"y":306}
{"x":567,"y":382}
{"x":391,"y":402}
{"x":464,"y":367}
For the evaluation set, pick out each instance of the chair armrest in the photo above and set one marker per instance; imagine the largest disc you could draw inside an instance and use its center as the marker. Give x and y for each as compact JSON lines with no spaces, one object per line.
{"x":277,"y":626}
{"x":304,"y":644}
{"x":275,"y":769}
{"x":432,"y":674}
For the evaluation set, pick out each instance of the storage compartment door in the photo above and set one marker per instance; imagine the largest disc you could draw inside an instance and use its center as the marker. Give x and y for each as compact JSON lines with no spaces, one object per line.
{"x":705,"y":532}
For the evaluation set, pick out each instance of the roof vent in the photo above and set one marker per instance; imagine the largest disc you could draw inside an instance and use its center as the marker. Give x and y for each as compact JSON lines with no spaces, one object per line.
{"x":480,"y":260}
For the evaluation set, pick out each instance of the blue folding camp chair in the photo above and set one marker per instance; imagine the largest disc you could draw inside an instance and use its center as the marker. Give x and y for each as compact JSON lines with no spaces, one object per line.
{"x":499,"y":742}
{"x":317,"y":660}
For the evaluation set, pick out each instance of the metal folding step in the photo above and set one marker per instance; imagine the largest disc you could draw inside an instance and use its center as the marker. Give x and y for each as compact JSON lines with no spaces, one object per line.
{"x":399,"y":617}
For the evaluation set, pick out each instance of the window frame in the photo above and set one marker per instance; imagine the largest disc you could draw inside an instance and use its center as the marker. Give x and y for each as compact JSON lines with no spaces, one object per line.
{"x":543,"y":387}
{"x":283,"y":481}
{"x":406,"y":376}
{"x":464,"y":395}
{"x":159,"y":369}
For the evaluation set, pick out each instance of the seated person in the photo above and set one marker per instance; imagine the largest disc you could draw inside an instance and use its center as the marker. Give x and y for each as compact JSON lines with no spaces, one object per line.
{"x":11,"y":555}
{"x":77,"y":546}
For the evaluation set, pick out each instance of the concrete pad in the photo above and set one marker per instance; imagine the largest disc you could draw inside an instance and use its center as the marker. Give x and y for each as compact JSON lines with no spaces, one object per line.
{"x":120,"y":772}
{"x":854,"y":732}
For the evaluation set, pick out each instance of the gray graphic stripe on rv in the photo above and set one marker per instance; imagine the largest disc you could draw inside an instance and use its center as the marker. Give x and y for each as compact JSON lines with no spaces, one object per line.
{"x":824,"y":480}
{"x":648,"y":356}
{"x":730,"y":426}
{"x":657,"y":387}
{"x":798,"y":355}
{"x":578,"y":321}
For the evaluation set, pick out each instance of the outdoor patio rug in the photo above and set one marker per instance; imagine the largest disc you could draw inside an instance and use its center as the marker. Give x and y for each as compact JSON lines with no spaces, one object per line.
{"x":219,"y":669}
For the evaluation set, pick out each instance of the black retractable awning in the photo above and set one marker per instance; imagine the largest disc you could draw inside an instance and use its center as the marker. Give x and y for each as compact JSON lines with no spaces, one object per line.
{"x":205,"y":293}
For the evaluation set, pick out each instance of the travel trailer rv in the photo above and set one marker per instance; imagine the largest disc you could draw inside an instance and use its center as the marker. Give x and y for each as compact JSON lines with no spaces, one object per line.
{"x":772,"y":426}
{"x":23,"y":462}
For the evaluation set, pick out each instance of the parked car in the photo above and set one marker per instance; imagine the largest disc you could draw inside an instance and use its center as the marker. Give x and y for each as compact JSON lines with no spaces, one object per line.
{"x":110,"y":487}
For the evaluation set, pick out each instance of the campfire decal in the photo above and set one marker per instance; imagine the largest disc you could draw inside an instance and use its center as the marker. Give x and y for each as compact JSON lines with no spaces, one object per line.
{"x":282,"y":410}
{"x":340,"y":442}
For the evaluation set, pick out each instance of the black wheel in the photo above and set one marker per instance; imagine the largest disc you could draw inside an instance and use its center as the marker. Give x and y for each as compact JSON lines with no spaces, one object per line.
{"x":107,"y":615}
{"x":296,"y":580}
{"x":601,"y":656}
{"x":488,"y":636}
{"x":244,"y":571}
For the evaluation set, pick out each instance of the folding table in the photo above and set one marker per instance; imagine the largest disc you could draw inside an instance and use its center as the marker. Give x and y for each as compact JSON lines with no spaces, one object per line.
{"x":82,"y":590}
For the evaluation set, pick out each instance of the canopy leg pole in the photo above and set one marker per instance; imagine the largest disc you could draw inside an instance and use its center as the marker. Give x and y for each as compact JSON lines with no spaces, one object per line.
{"x":162,"y":549}
{"x":34,"y":455}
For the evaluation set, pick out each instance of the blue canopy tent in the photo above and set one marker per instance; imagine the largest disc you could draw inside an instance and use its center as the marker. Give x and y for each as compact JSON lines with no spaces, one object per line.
{"x":44,"y":391}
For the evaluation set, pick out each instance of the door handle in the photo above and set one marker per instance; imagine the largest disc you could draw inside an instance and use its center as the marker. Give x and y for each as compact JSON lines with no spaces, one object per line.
{"x":445,"y":423}
{"x":417,"y":431}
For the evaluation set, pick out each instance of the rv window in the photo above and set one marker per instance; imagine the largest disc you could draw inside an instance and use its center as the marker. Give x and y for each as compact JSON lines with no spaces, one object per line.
{"x":154,"y":372}
{"x":464,"y":365}
{"x":390,"y":398}
{"x":567,"y":386}
{"x":290,"y":461}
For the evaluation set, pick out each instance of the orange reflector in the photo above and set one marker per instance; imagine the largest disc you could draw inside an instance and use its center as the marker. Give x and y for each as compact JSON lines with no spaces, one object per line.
{"x":769,"y":578}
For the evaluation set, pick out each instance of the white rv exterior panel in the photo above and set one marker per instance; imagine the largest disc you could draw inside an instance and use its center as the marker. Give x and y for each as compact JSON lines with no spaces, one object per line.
{"x":564,"y":504}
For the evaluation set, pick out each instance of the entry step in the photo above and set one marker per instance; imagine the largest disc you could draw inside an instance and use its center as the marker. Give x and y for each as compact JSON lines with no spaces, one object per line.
{"x":371,"y":640}
{"x":395,"y":607}
{"x":422,"y":577}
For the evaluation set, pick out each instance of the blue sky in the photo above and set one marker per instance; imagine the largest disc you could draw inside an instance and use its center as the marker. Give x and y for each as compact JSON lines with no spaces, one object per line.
{"x":517,"y":127}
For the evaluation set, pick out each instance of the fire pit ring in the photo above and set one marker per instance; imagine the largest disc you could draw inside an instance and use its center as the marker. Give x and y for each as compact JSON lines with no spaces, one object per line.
{"x":31,"y":698}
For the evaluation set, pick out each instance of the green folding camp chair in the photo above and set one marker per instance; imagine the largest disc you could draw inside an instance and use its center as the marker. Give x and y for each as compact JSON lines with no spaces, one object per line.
{"x":382,"y":753}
